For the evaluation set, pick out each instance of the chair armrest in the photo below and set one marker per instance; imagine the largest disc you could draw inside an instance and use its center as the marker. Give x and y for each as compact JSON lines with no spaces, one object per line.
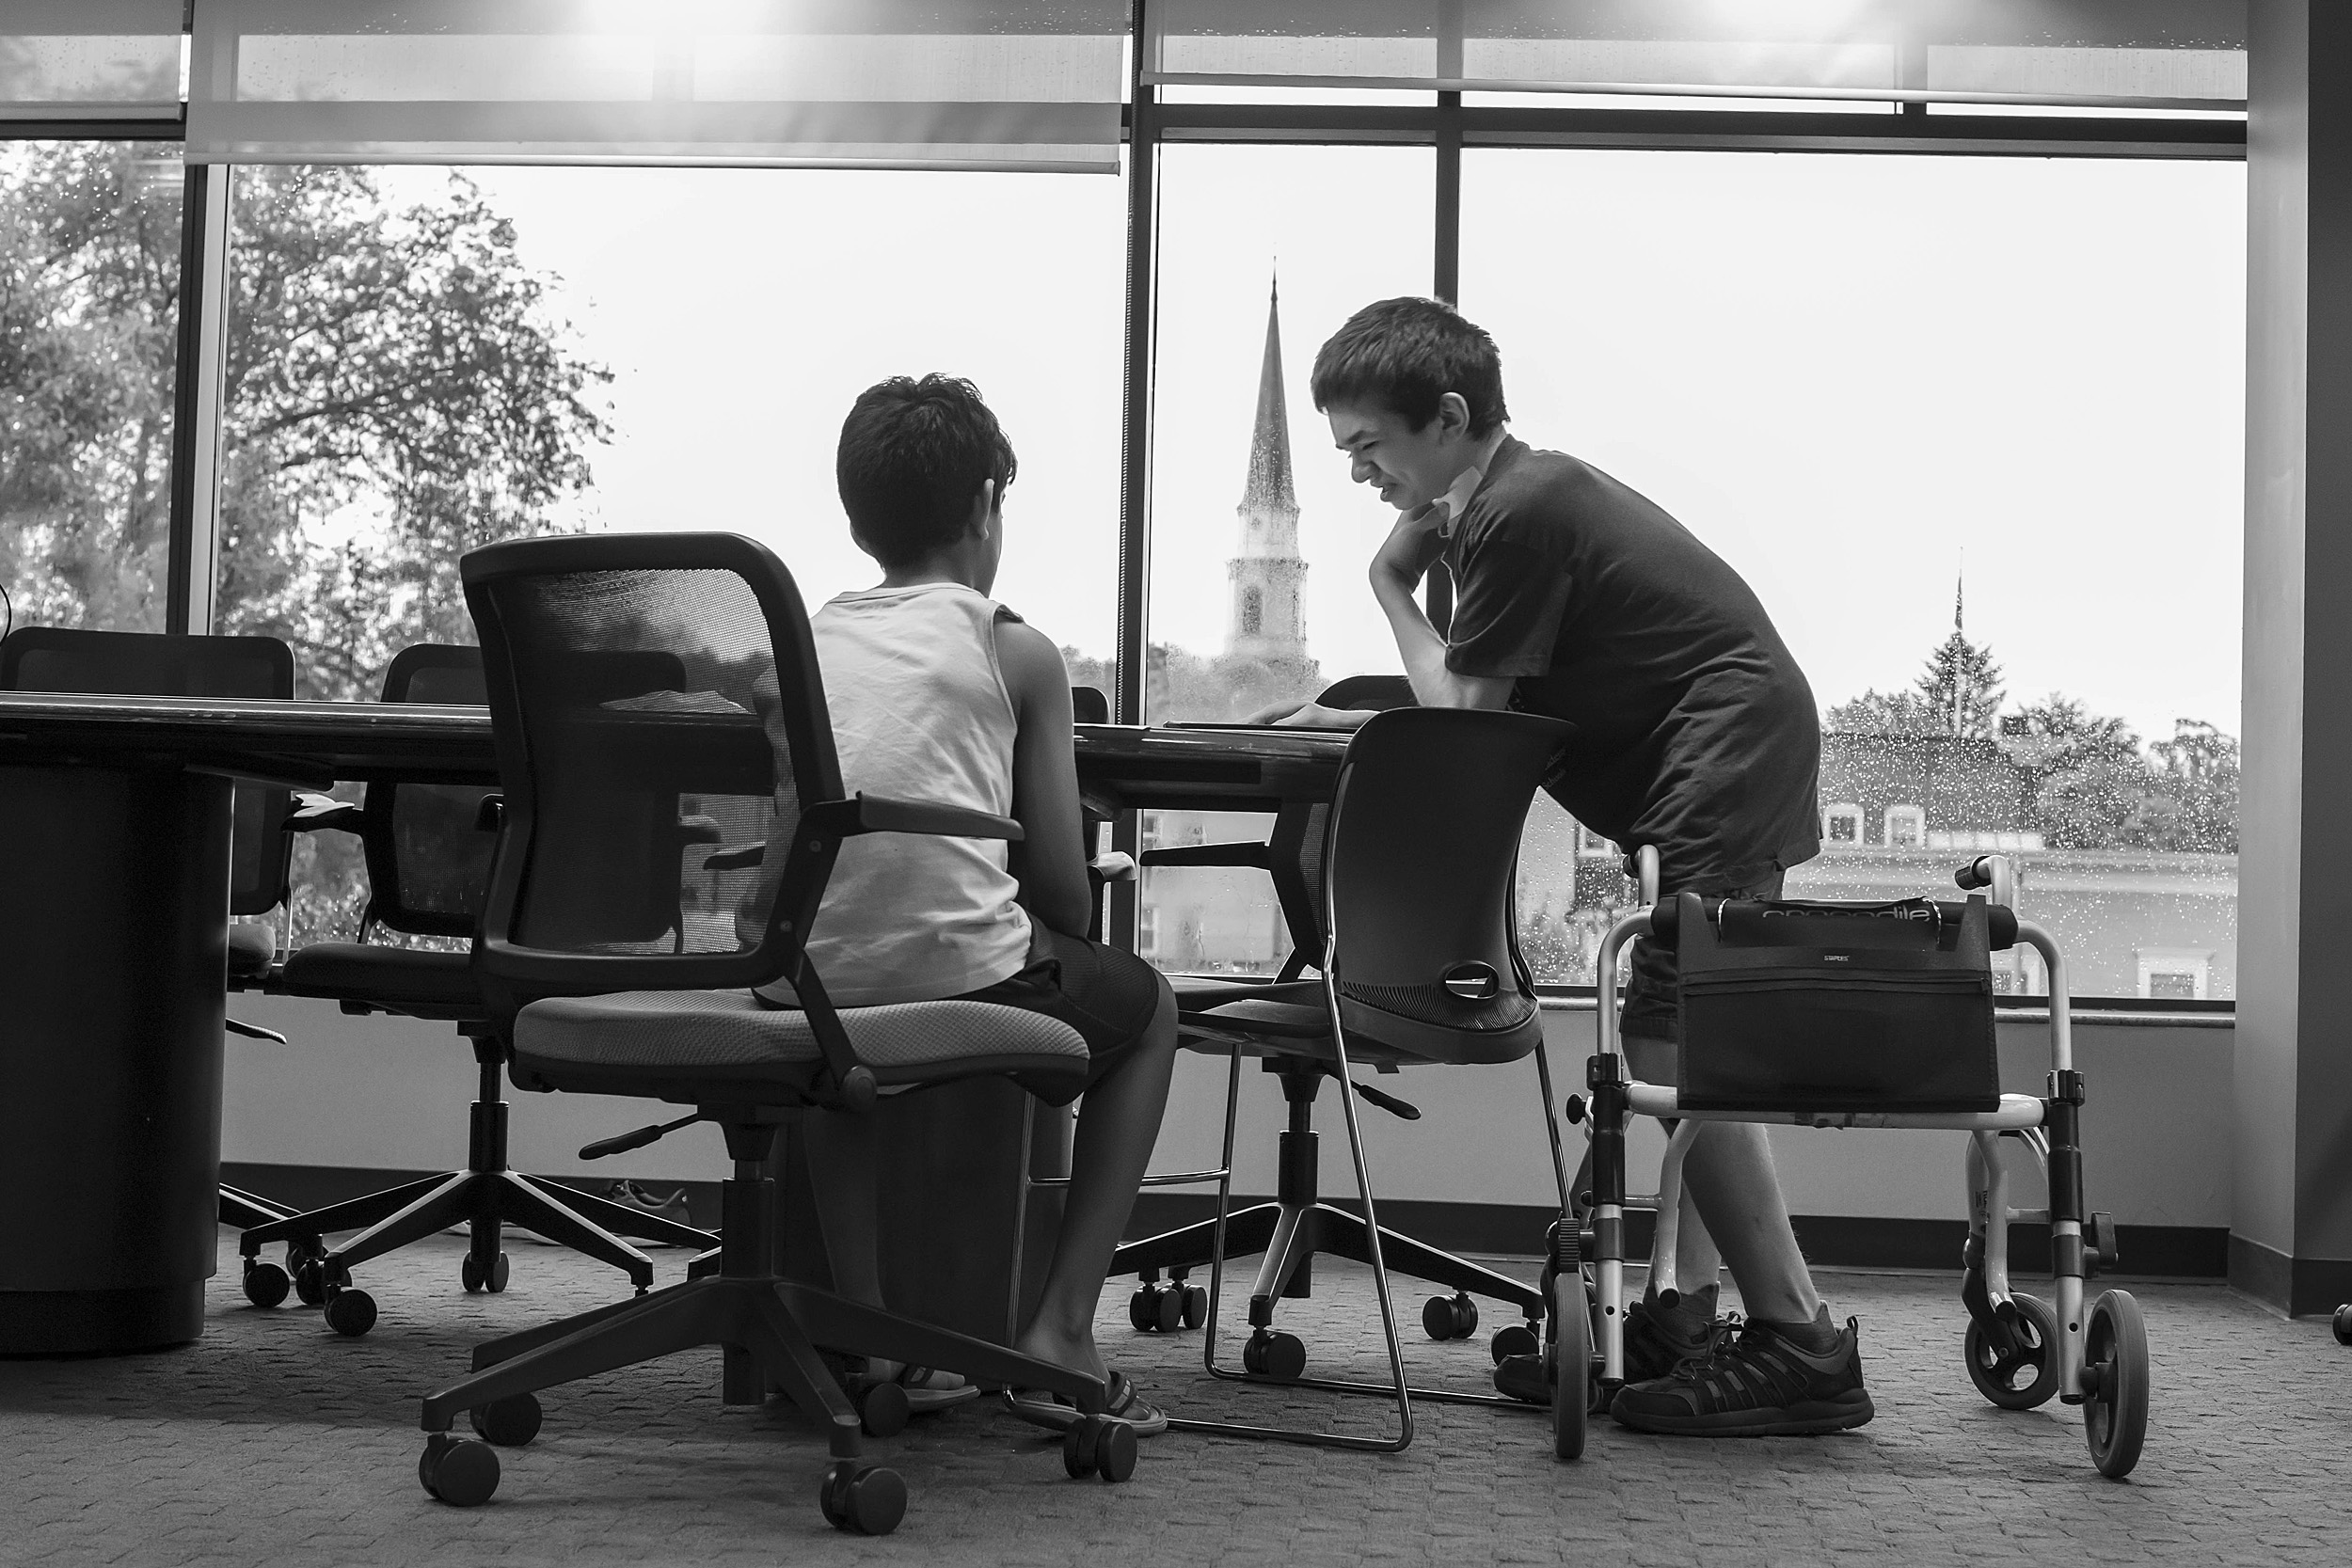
{"x":734,"y":857}
{"x":489,"y":813}
{"x":1259,"y":855}
{"x":879,"y":813}
{"x":1114,"y":866}
{"x":312,"y":813}
{"x":699,"y":829}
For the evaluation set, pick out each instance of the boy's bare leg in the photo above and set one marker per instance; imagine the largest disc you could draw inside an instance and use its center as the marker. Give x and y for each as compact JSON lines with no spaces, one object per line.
{"x":1698,"y":1264}
{"x":1118,"y":1124}
{"x":1728,"y":1178}
{"x":1729,"y":1174}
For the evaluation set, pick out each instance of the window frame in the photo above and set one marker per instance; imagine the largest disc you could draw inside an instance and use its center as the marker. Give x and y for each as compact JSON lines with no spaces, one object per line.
{"x":1148,"y":124}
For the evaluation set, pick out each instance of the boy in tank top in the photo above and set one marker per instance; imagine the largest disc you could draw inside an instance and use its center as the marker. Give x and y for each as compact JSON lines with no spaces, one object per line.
{"x":937,"y":692}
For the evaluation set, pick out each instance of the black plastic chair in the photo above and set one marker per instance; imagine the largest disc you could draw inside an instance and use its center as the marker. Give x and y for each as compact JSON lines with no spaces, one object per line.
{"x":428,"y":856}
{"x":599,"y":1005}
{"x":150,"y":664}
{"x":1415,"y":858}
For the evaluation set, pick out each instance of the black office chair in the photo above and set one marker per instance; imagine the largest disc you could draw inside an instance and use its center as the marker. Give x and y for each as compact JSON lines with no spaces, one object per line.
{"x":150,"y":664}
{"x":1419,"y":963}
{"x":428,"y":856}
{"x":598,"y":1003}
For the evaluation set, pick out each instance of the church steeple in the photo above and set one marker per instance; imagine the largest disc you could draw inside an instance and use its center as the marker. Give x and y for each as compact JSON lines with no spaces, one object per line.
{"x":1268,"y":622}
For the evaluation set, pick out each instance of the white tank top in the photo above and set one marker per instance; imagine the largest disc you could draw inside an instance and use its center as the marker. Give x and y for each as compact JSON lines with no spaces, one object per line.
{"x":920,"y":712}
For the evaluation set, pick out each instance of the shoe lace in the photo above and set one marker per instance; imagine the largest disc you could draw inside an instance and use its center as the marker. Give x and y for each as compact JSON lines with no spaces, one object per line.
{"x":1719,"y":1334}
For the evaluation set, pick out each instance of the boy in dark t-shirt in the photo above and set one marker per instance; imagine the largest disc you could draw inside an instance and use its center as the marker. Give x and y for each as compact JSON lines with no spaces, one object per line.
{"x":1578,"y":598}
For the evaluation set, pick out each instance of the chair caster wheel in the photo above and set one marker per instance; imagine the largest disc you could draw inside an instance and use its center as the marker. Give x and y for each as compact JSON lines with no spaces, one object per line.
{"x":509,"y":1422}
{"x":1156,"y":1308}
{"x":459,"y":1471}
{"x":1454,"y":1317}
{"x":351,"y":1313}
{"x":863,"y":1499}
{"x":1267,"y":1353}
{"x":266,"y":1284}
{"x":474,"y":1277}
{"x":1518,"y":1339}
{"x":1196,"y":1310}
{"x":305,"y":1263}
{"x":2024,"y":1376}
{"x":2343,"y":1325}
{"x":883,"y":1410}
{"x":1099,"y":1446}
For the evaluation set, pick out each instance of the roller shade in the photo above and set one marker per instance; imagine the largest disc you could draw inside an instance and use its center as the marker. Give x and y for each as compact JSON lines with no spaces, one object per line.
{"x":2172,"y":54}
{"x":865,"y":83}
{"x":61,"y":59}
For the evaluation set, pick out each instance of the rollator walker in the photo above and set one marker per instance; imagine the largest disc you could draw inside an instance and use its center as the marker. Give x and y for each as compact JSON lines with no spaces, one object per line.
{"x":1852,"y":1015}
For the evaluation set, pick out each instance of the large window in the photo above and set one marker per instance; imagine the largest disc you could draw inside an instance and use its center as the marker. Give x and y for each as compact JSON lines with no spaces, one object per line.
{"x":1259,"y":538}
{"x":421,"y":361}
{"x":89,"y":296}
{"x":1971,"y":427}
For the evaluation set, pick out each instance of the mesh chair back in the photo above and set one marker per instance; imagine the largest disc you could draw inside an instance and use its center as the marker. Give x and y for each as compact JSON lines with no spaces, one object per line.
{"x":1419,"y":859}
{"x":428,"y":855}
{"x":150,"y":664}
{"x":654,"y":697}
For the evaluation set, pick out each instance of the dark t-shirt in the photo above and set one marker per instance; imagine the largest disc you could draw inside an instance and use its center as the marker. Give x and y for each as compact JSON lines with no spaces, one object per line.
{"x":1695,"y":729}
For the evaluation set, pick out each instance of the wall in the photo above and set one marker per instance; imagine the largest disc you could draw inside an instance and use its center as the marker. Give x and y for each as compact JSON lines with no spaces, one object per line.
{"x":391,"y":1093}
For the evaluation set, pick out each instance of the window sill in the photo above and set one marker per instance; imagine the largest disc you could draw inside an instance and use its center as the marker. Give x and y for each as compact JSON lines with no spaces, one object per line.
{"x":2103,"y":1011}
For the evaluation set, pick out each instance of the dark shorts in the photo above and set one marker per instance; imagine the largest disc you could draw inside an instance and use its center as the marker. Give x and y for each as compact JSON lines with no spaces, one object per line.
{"x":1652,"y":978}
{"x":1107,"y":993}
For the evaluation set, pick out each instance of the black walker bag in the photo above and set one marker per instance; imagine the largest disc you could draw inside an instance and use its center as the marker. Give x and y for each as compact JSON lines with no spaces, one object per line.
{"x":1789,"y":1006}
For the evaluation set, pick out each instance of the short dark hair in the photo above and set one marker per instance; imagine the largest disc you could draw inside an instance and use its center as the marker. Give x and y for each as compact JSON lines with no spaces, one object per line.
{"x":1404,"y":355}
{"x":912,"y":455}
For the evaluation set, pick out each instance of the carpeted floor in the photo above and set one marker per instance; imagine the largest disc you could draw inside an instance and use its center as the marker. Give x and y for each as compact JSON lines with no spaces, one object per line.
{"x":272,"y":1440}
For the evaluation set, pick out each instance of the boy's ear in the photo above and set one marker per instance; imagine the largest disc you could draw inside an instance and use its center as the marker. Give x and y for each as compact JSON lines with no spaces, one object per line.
{"x":984,"y":509}
{"x":1452,"y":413}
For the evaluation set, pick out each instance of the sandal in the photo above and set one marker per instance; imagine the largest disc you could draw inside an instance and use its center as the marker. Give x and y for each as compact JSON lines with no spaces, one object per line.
{"x":1120,"y":1401}
{"x":927,"y":1389}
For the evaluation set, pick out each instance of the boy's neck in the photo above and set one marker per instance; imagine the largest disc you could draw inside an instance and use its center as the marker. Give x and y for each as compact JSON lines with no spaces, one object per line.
{"x":951,"y":565}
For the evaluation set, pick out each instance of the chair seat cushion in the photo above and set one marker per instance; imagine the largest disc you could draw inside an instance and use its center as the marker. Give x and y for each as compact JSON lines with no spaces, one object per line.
{"x":694,"y":1045}
{"x":397,"y":979}
{"x":1389,"y":1025}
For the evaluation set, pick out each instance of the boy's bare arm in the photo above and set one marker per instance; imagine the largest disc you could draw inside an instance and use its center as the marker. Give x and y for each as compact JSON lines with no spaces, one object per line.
{"x":1050,"y":864}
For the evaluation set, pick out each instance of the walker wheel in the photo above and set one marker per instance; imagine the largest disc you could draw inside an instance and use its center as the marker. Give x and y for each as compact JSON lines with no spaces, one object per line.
{"x":883,"y":1410}
{"x":1454,"y":1317}
{"x":1518,"y":1339}
{"x":2115,"y":1384}
{"x":2343,"y":1325}
{"x":352,"y":1313}
{"x":457,"y":1470}
{"x":1568,"y":1364}
{"x":1143,"y":1308}
{"x":266,"y":1284}
{"x":1196,"y":1310}
{"x":861,"y":1499}
{"x":2024,"y":1375}
{"x":509,"y":1422}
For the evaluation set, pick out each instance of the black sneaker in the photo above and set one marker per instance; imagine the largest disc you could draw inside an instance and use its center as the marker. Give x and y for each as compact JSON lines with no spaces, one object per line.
{"x":1654,"y":1347}
{"x":1759,"y":1385}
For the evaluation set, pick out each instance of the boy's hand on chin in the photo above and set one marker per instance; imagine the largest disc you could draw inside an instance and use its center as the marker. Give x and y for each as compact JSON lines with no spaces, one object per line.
{"x":1410,"y":547}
